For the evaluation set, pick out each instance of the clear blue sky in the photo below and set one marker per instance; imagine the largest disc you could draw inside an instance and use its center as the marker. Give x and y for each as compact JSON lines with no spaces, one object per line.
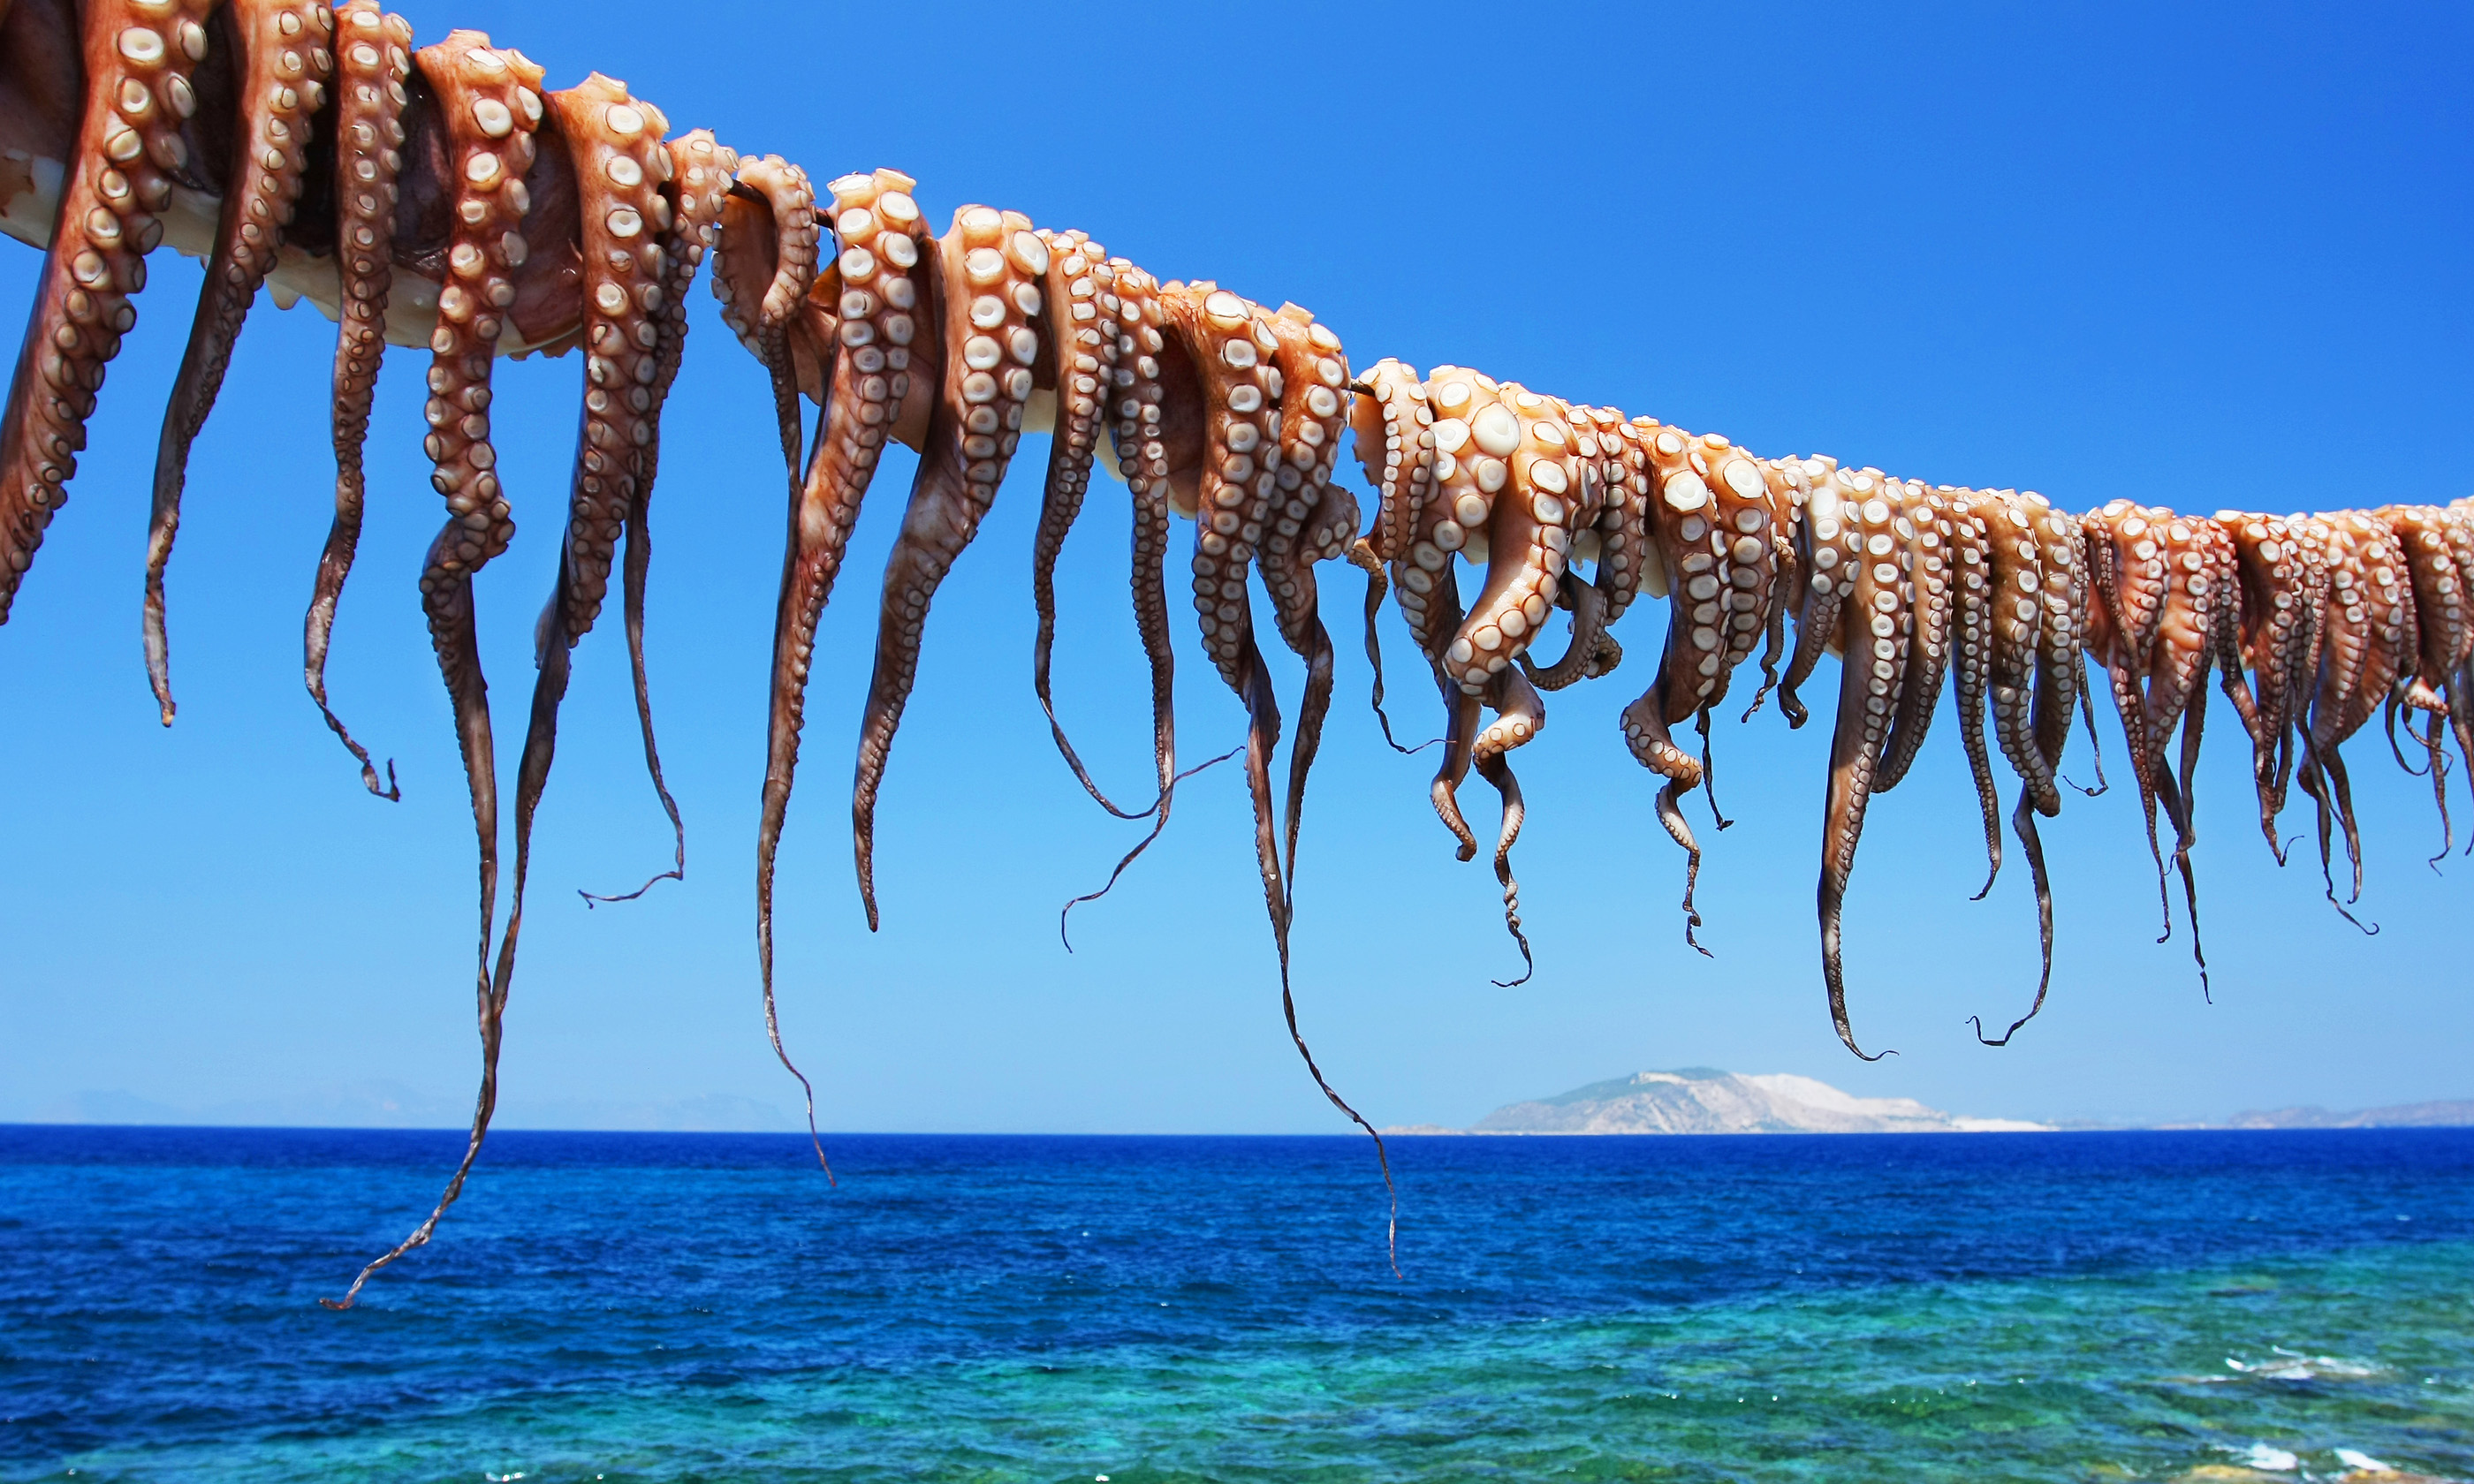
{"x":2188,"y":255}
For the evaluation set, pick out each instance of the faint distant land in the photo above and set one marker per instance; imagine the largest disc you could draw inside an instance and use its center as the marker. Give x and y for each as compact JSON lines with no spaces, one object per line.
{"x":2403,"y":1116}
{"x":391,"y":1105}
{"x":1701,"y":1100}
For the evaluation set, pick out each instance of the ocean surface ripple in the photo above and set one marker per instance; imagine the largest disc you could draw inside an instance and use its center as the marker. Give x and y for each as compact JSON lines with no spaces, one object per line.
{"x":644,"y":1307}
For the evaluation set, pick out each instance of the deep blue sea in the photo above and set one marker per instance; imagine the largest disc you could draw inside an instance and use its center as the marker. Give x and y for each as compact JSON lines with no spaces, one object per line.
{"x":633,"y":1306}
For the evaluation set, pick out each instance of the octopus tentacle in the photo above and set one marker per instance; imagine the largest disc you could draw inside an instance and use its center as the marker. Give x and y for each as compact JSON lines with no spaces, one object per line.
{"x":695,"y":175}
{"x":1521,"y":715}
{"x":781,"y":190}
{"x":991,"y":265}
{"x":1695,"y":539}
{"x":2129,"y":582}
{"x":1077,"y":360}
{"x":1830,"y":541}
{"x":2445,"y":636}
{"x":1312,"y":520}
{"x":1394,"y":431}
{"x":1223,"y":469}
{"x":870,"y":392}
{"x":138,"y":56}
{"x":614,"y":144}
{"x":1876,"y":615}
{"x":2280,"y":612}
{"x":281,"y":75}
{"x":489,"y":105}
{"x":1924,"y":529}
{"x":1789,"y":489}
{"x":1971,"y":598}
{"x":373,"y":55}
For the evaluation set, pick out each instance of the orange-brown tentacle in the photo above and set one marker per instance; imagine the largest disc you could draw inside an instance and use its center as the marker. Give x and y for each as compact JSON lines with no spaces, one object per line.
{"x":373,"y":55}
{"x":991,"y":265}
{"x":695,"y":175}
{"x":1077,"y":360}
{"x":281,"y":75}
{"x":1874,"y":659}
{"x":882,"y":354}
{"x":615,"y":145}
{"x":489,"y":104}
{"x":138,"y":56}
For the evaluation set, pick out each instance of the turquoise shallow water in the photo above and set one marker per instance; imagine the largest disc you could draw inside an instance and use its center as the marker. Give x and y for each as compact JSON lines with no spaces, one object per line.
{"x":652,"y":1308}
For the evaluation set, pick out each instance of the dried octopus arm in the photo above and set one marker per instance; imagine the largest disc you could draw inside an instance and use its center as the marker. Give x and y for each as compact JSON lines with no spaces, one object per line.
{"x":2035,"y":721}
{"x":1741,"y":539}
{"x":489,"y":103}
{"x":373,"y":55}
{"x":1526,"y":448}
{"x":614,"y":144}
{"x":2190,"y":641}
{"x":1830,"y":539}
{"x":1527,"y":487}
{"x":1226,"y":470}
{"x":138,"y":56}
{"x":870,"y":380}
{"x":1519,"y":715}
{"x":280,"y":78}
{"x":1875,"y":621}
{"x":1394,"y":431}
{"x":2017,"y":582}
{"x":1311,"y":520}
{"x":1690,"y":673}
{"x":776,"y":193}
{"x":695,"y":177}
{"x":1788,"y":490}
{"x":1972,"y":648}
{"x":1923,"y":528}
{"x":2279,"y":616}
{"x":1456,"y":518}
{"x":2128,"y":581}
{"x":991,"y":266}
{"x":2372,"y":640}
{"x":2424,"y":533}
{"x":1604,"y":529}
{"x":1078,"y":361}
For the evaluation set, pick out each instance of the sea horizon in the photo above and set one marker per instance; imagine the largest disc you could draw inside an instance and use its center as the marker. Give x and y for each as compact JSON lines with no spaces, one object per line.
{"x":1165,"y":1308}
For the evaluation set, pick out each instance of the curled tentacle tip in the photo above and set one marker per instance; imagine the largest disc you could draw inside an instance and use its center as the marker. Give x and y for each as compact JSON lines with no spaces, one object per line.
{"x":337,"y":1304}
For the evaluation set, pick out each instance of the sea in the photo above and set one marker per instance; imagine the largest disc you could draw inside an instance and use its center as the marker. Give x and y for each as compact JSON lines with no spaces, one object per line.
{"x":2197,"y":1306}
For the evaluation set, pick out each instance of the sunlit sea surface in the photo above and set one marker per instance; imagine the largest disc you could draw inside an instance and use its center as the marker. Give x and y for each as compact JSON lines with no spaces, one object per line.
{"x":625,"y":1306}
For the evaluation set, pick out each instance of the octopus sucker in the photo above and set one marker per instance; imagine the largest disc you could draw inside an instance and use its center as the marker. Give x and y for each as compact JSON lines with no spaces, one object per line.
{"x":1077,"y":366}
{"x":1877,"y":613}
{"x":372,"y":57}
{"x":2162,"y":584}
{"x":137,"y":58}
{"x":478,"y":87}
{"x":2433,"y":684}
{"x":614,"y":142}
{"x":1923,"y":531}
{"x":280,"y":82}
{"x":1971,"y":550}
{"x":1392,"y":429}
{"x":987,"y":273}
{"x":1312,"y":520}
{"x":695,"y":177}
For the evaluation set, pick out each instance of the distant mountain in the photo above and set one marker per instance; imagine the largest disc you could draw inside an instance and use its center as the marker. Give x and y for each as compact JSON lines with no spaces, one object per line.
{"x":1701,"y":1100}
{"x":2403,"y":1116}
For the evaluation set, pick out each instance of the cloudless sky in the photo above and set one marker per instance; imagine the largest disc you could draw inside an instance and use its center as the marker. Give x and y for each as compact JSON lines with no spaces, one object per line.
{"x":2203,"y":256}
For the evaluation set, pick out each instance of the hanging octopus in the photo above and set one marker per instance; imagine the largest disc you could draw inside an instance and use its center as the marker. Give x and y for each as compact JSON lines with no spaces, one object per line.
{"x":442,"y":197}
